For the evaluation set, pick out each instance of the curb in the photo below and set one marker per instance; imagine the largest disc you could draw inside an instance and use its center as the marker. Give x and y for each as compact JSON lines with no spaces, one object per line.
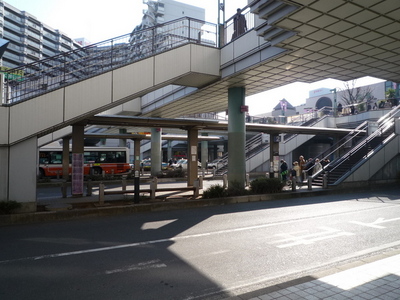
{"x":109,"y":210}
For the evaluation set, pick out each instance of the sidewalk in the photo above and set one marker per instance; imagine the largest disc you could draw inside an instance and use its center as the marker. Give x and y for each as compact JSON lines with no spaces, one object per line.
{"x":373,"y":278}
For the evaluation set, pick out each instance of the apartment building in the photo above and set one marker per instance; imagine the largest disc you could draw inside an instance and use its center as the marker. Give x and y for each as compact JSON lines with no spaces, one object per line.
{"x":29,"y":39}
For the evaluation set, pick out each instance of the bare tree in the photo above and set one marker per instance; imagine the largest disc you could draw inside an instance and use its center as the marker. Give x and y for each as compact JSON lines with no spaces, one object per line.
{"x":353,"y":95}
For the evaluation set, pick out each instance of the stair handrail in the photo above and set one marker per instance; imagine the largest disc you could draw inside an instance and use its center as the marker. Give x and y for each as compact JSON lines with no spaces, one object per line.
{"x":37,"y":78}
{"x":387,"y":125}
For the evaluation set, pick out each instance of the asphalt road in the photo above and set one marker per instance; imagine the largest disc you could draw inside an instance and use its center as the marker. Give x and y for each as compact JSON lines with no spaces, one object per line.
{"x":208,"y":253}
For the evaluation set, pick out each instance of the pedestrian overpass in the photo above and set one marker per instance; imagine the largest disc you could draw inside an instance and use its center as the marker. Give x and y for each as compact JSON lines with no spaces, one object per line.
{"x":291,"y":41}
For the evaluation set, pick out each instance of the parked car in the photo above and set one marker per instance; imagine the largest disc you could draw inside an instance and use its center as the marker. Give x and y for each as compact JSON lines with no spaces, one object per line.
{"x":182,"y":164}
{"x":215,"y":164}
{"x":146,"y":164}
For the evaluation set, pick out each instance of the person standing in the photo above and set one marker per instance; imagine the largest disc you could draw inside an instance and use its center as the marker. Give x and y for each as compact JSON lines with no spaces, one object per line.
{"x":302,"y":166}
{"x":317,"y":166}
{"x":309,"y":167}
{"x":284,"y":170}
{"x":296,"y":172}
{"x":239,"y":24}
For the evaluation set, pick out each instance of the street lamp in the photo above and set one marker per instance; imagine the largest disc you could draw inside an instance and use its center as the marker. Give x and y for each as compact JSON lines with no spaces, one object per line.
{"x":334,"y":102}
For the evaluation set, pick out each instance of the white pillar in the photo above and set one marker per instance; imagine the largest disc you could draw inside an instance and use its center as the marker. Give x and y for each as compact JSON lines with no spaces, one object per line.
{"x":155,"y":151}
{"x":18,"y":165}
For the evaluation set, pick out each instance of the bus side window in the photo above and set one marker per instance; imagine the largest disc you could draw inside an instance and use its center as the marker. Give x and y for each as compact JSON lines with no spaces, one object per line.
{"x":121,"y":157}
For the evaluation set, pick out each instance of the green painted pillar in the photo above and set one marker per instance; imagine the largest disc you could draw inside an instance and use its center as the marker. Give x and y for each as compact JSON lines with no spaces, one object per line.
{"x":236,"y":136}
{"x":204,"y":152}
{"x":193,"y":140}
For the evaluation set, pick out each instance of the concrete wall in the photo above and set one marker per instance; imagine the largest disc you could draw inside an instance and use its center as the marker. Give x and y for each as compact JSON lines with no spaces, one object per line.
{"x":246,"y":51}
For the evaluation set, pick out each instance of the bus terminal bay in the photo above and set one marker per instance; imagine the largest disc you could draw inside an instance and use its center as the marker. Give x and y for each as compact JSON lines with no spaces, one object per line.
{"x":59,"y":99}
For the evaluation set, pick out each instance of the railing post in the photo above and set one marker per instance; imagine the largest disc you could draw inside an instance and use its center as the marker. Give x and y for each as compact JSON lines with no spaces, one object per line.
{"x":201,"y":182}
{"x":153,"y":187}
{"x":89,"y":188}
{"x":112,"y":54}
{"x":309,"y":181}
{"x":196,"y":185}
{"x":137,"y":187}
{"x":3,"y":92}
{"x":294,"y":180}
{"x":325,"y":181}
{"x":225,"y":181}
{"x":64,"y":189}
{"x":153,"y":42}
{"x":101,"y":194}
{"x":189,"y":30}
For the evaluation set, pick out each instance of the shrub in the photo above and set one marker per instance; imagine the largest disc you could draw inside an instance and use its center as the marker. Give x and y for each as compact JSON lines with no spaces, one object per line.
{"x":236,"y":189}
{"x":215,"y":191}
{"x":264,"y":185}
{"x":7,"y":207}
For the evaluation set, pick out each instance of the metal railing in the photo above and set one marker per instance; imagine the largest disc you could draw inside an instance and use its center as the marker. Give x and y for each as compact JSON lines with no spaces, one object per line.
{"x":229,"y":25}
{"x":34,"y":79}
{"x":385,"y":127}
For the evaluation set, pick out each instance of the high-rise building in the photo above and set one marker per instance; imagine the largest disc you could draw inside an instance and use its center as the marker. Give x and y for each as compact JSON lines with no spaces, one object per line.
{"x":162,"y":11}
{"x":29,"y":39}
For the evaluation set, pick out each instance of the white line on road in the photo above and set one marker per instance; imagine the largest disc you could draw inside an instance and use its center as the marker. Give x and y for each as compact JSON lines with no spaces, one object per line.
{"x":173,"y":239}
{"x":376,"y":223}
{"x":297,"y":238}
{"x":153,"y":264}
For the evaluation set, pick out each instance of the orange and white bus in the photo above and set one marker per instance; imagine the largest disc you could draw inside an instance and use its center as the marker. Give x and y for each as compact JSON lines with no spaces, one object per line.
{"x":111,"y":160}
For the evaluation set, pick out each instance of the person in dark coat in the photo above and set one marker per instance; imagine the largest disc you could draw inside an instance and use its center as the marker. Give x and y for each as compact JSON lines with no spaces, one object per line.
{"x":284,"y":170}
{"x":239,"y":24}
{"x":310,"y":167}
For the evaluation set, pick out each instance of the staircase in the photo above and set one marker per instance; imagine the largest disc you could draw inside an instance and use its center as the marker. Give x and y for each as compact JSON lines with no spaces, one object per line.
{"x":352,"y":157}
{"x":256,"y":145}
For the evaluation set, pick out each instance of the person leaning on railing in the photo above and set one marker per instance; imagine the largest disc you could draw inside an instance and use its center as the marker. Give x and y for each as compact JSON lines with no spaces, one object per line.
{"x":239,"y":24}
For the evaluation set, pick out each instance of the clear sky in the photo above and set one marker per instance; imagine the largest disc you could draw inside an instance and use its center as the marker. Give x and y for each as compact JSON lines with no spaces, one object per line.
{"x":98,"y":21}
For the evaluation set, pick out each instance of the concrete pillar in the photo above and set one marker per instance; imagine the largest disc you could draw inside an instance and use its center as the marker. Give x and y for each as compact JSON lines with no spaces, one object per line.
{"x":204,"y":152}
{"x":155,"y":151}
{"x":136,"y":155}
{"x":4,"y":172}
{"x":122,"y":142}
{"x":193,"y":141}
{"x":169,"y":150}
{"x":236,"y":136}
{"x":77,"y":160}
{"x":65,"y":161}
{"x":274,"y":155}
{"x":18,"y":173}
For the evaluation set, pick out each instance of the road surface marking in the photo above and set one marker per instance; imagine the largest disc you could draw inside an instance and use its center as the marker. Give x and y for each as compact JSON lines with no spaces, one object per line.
{"x":376,"y":223}
{"x":305,"y":237}
{"x":153,"y":264}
